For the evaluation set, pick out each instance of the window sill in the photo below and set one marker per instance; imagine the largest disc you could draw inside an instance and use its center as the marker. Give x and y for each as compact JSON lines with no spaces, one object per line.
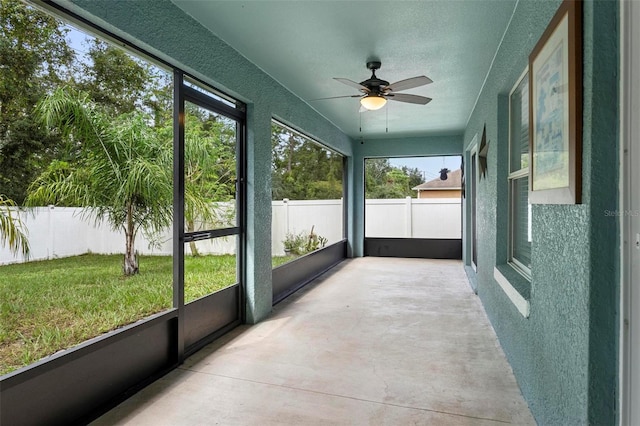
{"x":516,"y":287}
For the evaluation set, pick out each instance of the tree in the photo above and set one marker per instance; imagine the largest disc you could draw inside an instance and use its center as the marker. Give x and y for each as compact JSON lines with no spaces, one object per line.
{"x":34,"y":58}
{"x":415,"y":178}
{"x":375,"y":175}
{"x":302,"y":169}
{"x":115,"y":79}
{"x":123,"y":177}
{"x":382,"y":180}
{"x":11,"y":228}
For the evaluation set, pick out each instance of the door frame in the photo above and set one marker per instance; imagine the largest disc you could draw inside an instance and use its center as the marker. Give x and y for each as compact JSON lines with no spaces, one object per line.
{"x":471,"y":201}
{"x":205,"y":319}
{"x":629,"y":209}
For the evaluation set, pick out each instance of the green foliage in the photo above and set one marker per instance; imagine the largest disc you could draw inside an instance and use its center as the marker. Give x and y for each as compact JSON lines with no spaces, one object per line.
{"x":415,"y":178}
{"x":11,"y":228}
{"x":280,"y":260}
{"x":294,"y":243}
{"x":301,"y":169}
{"x":118,"y":81}
{"x":303,"y":242}
{"x":210,"y":170}
{"x":384,"y":181}
{"x":210,"y":155}
{"x":34,"y":58}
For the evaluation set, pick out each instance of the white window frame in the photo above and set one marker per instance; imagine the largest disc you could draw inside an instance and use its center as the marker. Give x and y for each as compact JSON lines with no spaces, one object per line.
{"x":470,"y":187}
{"x":511,"y":178}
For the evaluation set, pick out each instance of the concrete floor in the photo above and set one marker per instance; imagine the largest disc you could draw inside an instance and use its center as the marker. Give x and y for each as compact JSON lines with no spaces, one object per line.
{"x":376,"y":341}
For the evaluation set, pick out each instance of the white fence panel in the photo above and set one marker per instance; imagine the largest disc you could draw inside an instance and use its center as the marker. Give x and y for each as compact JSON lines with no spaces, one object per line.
{"x":296,"y":216}
{"x":69,"y":234}
{"x":413,"y":218}
{"x":221,"y":245}
{"x":436,"y":218}
{"x":64,"y":231}
{"x":385,"y":218}
{"x":279,"y":226}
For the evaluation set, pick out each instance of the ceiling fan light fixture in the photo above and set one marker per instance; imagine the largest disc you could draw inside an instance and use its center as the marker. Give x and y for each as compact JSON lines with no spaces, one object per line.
{"x":373,"y":102}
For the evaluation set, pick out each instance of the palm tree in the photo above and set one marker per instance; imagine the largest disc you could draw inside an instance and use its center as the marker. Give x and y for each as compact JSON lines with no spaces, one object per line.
{"x":123,"y":175}
{"x":11,"y":229}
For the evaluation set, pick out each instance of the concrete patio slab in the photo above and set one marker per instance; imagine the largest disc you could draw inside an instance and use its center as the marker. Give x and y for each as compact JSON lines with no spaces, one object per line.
{"x":374,"y":341}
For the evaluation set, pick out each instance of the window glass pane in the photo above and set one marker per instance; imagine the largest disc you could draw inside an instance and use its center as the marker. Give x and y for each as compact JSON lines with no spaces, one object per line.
{"x":307,"y":195}
{"x":519,"y":121}
{"x":214,"y":268}
{"x":521,"y":225}
{"x":91,"y":168}
{"x":210,"y":170}
{"x":413,"y":197}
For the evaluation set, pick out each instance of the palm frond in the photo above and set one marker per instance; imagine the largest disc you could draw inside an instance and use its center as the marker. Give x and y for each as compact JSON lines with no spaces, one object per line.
{"x":11,"y":226}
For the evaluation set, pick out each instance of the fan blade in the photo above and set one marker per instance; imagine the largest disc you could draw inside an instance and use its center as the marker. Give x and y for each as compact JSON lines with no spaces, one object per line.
{"x":409,"y":83}
{"x":411,"y":99}
{"x":352,"y":84}
{"x":336,"y":97}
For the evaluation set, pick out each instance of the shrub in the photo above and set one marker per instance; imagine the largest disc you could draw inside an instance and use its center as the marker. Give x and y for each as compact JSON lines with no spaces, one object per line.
{"x":303,"y":242}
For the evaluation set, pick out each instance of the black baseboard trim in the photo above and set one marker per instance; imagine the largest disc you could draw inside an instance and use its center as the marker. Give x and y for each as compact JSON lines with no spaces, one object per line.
{"x":426,"y":248}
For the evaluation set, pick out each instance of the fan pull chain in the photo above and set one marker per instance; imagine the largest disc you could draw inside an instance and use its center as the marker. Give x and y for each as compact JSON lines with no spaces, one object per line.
{"x":360,"y":117}
{"x":387,"y":123}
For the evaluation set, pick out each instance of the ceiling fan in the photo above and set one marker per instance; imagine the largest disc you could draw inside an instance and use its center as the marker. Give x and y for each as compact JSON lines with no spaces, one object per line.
{"x":376,"y":92}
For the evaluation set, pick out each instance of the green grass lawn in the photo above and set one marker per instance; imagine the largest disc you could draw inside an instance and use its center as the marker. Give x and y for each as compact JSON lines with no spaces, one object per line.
{"x":50,"y":305}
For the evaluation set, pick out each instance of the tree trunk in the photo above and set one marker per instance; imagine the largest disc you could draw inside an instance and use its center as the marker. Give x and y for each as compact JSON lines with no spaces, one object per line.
{"x":130,"y":265}
{"x":192,"y":244}
{"x":290,"y":156}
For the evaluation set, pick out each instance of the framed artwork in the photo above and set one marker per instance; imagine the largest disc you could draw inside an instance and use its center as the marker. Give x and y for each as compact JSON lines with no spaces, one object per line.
{"x":555,"y":109}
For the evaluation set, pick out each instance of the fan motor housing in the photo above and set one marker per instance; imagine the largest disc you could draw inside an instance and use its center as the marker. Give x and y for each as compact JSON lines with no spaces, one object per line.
{"x":374,"y":84}
{"x":374,"y":65}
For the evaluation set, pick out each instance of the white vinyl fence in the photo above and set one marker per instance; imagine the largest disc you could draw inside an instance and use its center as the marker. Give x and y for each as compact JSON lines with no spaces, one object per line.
{"x":290,"y":216}
{"x":64,"y":231}
{"x":414,"y":218}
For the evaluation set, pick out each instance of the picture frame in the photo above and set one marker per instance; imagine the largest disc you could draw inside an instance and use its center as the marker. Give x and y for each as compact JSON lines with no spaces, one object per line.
{"x":555,"y":110}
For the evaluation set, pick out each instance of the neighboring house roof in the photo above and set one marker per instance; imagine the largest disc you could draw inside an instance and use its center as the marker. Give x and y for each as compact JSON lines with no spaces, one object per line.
{"x":454,"y":181}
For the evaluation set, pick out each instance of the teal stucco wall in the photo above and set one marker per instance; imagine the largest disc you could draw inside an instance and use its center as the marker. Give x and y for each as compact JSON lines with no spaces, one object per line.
{"x":176,"y":38}
{"x":564,"y":354}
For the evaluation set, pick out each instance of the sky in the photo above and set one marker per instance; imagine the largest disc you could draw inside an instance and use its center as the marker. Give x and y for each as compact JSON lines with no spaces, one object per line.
{"x":76,"y":39}
{"x":429,"y":166}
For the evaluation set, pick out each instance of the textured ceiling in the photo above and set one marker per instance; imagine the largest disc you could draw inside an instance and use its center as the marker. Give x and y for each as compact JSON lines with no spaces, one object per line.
{"x":304,"y":44}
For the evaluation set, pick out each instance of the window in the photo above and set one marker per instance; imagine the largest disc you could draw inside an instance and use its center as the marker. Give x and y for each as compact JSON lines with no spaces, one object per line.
{"x":307,"y":195}
{"x":407,"y":197}
{"x":98,"y":198}
{"x":95,"y":199}
{"x":519,"y":206}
